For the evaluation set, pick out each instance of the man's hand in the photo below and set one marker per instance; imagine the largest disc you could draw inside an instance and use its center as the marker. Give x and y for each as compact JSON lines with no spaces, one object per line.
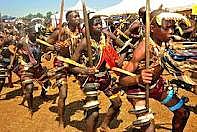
{"x":47,"y":56}
{"x":125,"y":64}
{"x":59,"y":46}
{"x":90,"y":71}
{"x":146,"y":76}
{"x":119,"y":62}
{"x":10,"y":67}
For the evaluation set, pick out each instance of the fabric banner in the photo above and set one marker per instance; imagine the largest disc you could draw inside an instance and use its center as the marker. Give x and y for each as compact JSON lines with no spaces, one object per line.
{"x":194,"y":9}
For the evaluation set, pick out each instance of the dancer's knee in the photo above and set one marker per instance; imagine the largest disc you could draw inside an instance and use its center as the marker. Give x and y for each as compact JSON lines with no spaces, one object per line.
{"x":29,"y":88}
{"x":92,"y":104}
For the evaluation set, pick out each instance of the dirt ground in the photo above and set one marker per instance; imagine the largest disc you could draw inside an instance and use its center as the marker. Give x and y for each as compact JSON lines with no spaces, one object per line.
{"x":15,"y":118}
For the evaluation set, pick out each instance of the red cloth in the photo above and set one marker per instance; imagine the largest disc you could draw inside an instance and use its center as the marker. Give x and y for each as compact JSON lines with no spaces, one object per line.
{"x":109,"y":55}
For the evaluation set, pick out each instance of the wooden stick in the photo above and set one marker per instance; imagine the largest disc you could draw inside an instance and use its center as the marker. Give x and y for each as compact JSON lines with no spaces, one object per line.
{"x":147,"y":37}
{"x":87,"y":33}
{"x":60,"y":20}
{"x":69,"y":61}
{"x":123,"y":71}
{"x":44,"y":42}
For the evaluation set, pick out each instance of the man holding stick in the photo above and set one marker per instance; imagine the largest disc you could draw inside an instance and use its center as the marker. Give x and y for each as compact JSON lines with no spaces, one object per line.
{"x":161,"y":31}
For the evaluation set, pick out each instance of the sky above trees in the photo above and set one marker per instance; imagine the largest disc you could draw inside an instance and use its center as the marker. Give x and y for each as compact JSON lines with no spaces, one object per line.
{"x":25,"y":7}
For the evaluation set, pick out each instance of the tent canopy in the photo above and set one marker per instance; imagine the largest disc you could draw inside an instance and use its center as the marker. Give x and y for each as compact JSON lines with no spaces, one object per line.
{"x":78,"y":7}
{"x":132,"y":6}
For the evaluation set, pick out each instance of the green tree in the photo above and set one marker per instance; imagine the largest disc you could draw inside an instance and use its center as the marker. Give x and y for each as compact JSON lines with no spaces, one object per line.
{"x":48,"y":14}
{"x":39,"y":15}
{"x":29,"y":16}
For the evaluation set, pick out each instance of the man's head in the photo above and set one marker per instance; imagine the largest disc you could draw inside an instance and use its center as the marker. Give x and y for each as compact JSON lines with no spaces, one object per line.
{"x":73,"y":18}
{"x":31,"y":34}
{"x":1,"y":38}
{"x":142,"y":14}
{"x":95,"y":24}
{"x":162,"y":27}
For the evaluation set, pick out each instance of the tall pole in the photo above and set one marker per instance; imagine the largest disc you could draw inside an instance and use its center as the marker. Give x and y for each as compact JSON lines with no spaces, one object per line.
{"x":87,"y":33}
{"x":1,"y":24}
{"x":60,"y":20}
{"x":147,"y":52}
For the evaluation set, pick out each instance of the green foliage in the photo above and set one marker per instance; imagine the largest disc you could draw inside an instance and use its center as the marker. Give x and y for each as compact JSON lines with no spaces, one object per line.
{"x":48,"y":15}
{"x":39,"y":15}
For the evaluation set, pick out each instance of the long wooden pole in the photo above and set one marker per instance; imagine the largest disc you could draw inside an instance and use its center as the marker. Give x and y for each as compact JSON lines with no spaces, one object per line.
{"x":87,"y":33}
{"x":1,"y":24}
{"x":147,"y":37}
{"x":60,"y":20}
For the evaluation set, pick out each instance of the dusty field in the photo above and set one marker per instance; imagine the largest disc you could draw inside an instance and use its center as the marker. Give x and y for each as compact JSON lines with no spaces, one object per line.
{"x":14,"y":117}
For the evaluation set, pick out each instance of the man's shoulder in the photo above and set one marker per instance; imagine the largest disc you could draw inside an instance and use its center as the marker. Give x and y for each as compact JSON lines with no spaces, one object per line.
{"x":55,"y":32}
{"x":135,"y":24}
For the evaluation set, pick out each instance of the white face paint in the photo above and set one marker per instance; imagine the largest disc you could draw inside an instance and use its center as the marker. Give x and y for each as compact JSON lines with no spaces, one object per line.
{"x":172,"y":16}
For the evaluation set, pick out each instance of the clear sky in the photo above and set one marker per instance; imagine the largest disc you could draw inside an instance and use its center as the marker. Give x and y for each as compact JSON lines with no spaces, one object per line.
{"x":24,"y":7}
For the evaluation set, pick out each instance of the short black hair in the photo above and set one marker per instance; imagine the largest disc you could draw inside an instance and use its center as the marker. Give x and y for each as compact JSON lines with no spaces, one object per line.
{"x":142,"y":14}
{"x":68,"y":13}
{"x":30,"y":30}
{"x":142,"y":11}
{"x":91,"y":21}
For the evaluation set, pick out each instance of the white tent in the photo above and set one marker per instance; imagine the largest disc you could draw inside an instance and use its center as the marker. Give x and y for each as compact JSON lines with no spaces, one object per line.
{"x":78,"y":7}
{"x":132,"y":6}
{"x":125,"y":6}
{"x":174,"y":5}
